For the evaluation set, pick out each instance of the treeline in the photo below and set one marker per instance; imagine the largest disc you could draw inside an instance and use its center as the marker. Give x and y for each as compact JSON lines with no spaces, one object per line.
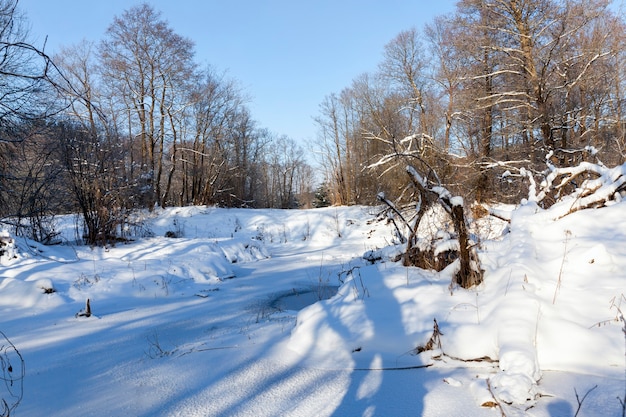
{"x":495,"y":84}
{"x":470,"y":100}
{"x":131,"y":122}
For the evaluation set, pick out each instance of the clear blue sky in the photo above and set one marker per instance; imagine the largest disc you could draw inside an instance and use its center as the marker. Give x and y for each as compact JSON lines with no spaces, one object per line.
{"x":286,"y":54}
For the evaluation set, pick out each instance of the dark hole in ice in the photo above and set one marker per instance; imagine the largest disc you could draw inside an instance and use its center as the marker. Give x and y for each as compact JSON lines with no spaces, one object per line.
{"x":297,"y":299}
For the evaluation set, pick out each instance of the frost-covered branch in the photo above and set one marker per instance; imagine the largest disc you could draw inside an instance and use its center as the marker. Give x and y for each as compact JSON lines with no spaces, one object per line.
{"x":571,"y":188}
{"x":404,"y":148}
{"x":381,"y":197}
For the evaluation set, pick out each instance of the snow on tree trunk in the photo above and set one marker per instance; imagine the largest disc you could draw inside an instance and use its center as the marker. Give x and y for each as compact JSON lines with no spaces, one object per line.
{"x":468,"y":272}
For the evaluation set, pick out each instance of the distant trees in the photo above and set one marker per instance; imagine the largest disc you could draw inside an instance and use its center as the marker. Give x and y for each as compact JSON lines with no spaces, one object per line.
{"x":336,"y":126}
{"x":495,"y":80}
{"x":536,"y":58}
{"x":34,"y":187}
{"x":191,"y":138}
{"x":285,"y":175}
{"x":472,"y":106}
{"x":134,"y":123}
{"x":404,"y":69}
{"x":151,"y":70}
{"x":130,"y":122}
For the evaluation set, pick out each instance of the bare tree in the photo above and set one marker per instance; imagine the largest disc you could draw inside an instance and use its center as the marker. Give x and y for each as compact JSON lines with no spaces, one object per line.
{"x":345,"y":124}
{"x":27,"y":161}
{"x":91,"y":150}
{"x":532,"y":45}
{"x":217,"y":103}
{"x":447,"y":76}
{"x":334,"y":147}
{"x":35,"y":187}
{"x":101,"y":193}
{"x":81,"y":89}
{"x":285,"y":160}
{"x":24,"y":71}
{"x":151,"y":67}
{"x":405,"y":66}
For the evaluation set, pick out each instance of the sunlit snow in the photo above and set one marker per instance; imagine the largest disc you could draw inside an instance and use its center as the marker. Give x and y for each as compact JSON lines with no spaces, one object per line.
{"x":273,"y":312}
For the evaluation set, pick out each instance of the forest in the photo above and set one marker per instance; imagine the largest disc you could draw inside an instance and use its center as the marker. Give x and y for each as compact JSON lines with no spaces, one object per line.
{"x":483,"y":101}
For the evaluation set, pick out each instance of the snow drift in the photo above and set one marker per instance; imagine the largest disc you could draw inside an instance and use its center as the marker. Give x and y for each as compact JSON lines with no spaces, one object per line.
{"x":178,"y":322}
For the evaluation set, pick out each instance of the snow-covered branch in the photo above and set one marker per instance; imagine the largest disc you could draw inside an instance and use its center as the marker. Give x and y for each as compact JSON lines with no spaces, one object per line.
{"x":572,"y":188}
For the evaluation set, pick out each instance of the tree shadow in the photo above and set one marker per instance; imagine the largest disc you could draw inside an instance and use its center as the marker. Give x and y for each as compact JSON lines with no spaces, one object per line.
{"x":378,"y":385}
{"x":560,"y":408}
{"x":384,"y":393}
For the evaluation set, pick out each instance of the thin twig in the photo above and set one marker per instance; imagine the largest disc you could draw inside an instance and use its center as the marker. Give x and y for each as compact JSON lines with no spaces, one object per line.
{"x":580,"y":401}
{"x":495,"y":401}
{"x":12,"y":376}
{"x":558,"y":283}
{"x":622,"y":401}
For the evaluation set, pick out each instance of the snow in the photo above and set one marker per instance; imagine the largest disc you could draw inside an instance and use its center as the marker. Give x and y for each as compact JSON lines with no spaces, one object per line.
{"x":274,"y":312}
{"x":456,"y":201}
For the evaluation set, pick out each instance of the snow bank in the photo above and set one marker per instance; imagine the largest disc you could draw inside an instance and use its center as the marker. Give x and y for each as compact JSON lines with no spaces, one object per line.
{"x":179,"y":321}
{"x":545,"y":304}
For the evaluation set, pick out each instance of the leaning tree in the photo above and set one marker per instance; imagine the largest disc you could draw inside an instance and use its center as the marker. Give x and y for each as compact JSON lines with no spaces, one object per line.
{"x":448,"y":244}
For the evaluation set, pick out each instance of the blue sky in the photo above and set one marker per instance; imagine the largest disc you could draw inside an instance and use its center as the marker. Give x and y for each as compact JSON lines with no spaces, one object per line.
{"x":286,"y":54}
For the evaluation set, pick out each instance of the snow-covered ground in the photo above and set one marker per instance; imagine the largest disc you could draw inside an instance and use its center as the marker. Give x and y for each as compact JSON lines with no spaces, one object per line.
{"x":271,"y":312}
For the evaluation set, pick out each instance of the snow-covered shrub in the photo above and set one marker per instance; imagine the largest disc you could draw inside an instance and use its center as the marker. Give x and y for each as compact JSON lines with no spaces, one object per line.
{"x":7,"y":246}
{"x":41,"y":229}
{"x":580,"y":187}
{"x":177,"y":230}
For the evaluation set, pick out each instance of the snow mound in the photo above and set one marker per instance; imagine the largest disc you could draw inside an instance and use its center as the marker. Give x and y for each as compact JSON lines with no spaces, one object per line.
{"x":545,"y":304}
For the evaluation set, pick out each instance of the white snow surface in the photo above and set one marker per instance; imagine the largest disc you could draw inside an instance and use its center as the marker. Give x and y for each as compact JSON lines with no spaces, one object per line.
{"x":207,"y":324}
